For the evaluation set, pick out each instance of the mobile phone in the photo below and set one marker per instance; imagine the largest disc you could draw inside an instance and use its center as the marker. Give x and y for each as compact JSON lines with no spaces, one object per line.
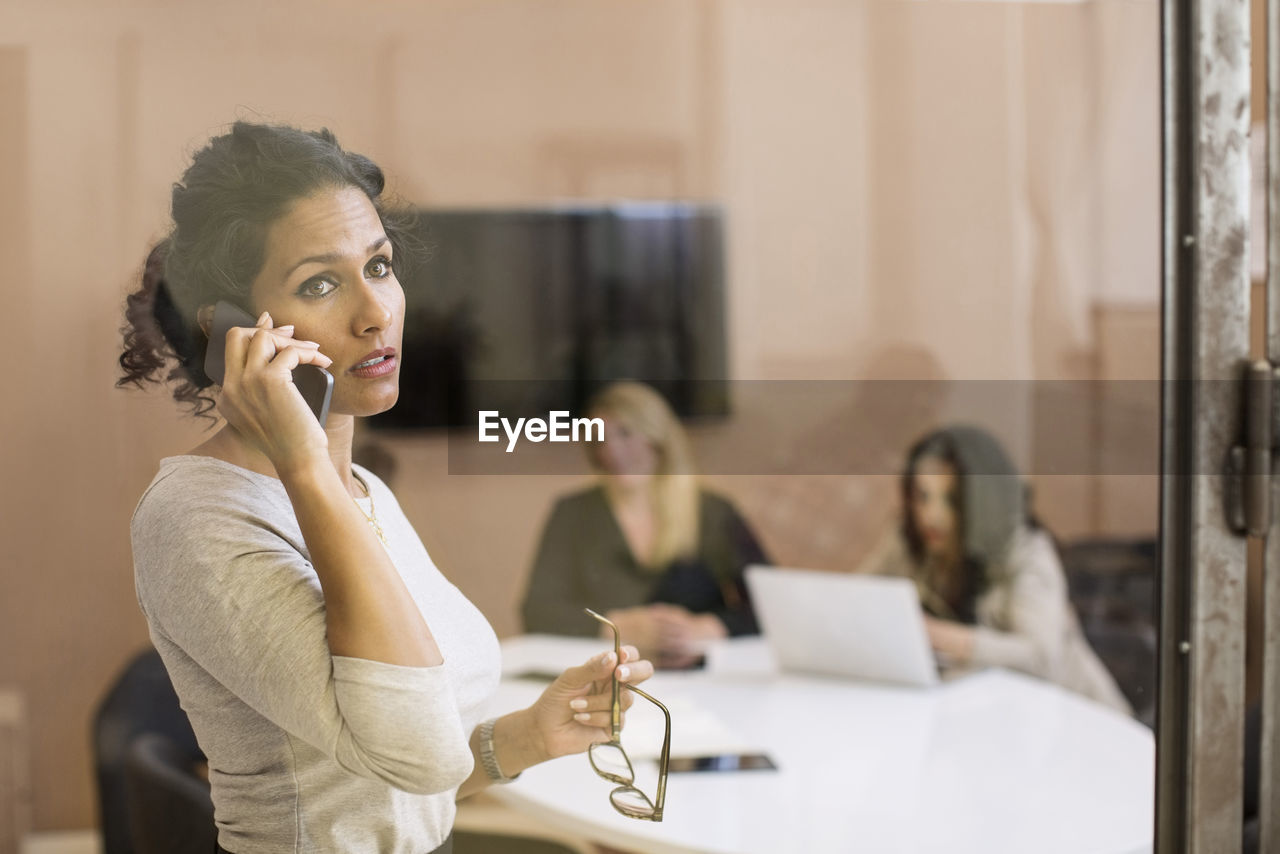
{"x":723,"y":762}
{"x":313,"y":381}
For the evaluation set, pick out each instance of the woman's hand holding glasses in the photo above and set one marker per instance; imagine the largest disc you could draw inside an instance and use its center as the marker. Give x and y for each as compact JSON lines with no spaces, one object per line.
{"x":583,"y":710}
{"x":575,"y":711}
{"x":609,"y":759}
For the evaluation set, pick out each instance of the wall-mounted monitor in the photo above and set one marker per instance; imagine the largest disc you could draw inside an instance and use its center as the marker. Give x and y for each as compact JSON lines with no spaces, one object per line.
{"x":531,"y":310}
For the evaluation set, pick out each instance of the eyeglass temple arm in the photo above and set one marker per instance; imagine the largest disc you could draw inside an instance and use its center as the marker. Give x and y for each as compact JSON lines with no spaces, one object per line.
{"x":615,"y":708}
{"x":666,"y":751}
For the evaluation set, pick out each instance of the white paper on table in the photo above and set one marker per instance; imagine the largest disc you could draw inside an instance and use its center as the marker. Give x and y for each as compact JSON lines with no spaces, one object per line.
{"x":695,"y":731}
{"x":549,"y":654}
{"x":749,"y":655}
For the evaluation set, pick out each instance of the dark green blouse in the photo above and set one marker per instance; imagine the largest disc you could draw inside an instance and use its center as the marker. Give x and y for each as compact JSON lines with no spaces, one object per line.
{"x":584,"y":561}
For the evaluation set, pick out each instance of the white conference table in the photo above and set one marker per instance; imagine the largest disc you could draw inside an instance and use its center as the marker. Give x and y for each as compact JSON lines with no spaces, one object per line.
{"x":989,"y":762}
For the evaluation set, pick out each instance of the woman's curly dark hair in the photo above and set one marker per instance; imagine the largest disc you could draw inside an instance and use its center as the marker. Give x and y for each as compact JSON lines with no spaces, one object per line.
{"x":235,"y":188}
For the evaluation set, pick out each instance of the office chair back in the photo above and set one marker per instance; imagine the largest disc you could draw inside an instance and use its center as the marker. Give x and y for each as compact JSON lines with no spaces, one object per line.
{"x":141,"y":700}
{"x":1112,"y":587}
{"x":170,"y":811}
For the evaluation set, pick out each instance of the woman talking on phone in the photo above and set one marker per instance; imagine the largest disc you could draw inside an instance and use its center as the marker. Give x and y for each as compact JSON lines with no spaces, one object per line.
{"x":333,"y":676}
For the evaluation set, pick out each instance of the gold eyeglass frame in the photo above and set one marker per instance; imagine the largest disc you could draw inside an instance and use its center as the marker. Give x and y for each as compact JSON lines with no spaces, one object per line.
{"x":626,"y":781}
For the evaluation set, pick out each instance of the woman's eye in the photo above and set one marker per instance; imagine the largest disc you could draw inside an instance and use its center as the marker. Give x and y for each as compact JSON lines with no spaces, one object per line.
{"x":379,"y":268}
{"x":316,"y":288}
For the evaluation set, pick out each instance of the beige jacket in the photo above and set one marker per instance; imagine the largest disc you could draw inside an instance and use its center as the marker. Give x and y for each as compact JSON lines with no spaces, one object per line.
{"x":1025,"y":619}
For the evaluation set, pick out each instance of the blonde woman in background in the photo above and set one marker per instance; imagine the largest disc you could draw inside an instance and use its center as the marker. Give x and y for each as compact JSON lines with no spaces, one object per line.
{"x":661,"y":556}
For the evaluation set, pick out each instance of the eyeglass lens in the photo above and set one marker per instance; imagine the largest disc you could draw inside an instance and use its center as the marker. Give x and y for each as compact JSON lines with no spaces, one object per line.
{"x":632,"y":801}
{"x":610,"y":761}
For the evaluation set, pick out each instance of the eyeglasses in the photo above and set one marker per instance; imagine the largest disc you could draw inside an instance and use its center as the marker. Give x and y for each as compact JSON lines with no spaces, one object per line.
{"x":610,"y":761}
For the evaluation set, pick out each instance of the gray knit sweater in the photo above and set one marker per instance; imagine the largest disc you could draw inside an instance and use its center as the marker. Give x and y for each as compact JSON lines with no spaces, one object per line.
{"x":1025,"y":618}
{"x":308,"y":752}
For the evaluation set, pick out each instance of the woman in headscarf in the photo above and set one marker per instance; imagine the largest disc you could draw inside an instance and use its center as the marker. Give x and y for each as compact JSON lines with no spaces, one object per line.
{"x":989,"y":576}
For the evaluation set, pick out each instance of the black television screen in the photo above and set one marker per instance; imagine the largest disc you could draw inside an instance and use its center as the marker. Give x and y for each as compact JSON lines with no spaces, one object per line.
{"x":532,"y":310}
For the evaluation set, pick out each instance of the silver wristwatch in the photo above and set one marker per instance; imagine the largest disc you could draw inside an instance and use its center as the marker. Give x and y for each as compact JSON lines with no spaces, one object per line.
{"x":487,"y":758}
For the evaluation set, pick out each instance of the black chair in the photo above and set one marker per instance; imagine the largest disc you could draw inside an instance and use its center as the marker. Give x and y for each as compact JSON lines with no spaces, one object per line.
{"x":140,"y":701}
{"x":1111,"y":582}
{"x":1129,"y":651}
{"x":170,"y":811}
{"x":1112,"y":579}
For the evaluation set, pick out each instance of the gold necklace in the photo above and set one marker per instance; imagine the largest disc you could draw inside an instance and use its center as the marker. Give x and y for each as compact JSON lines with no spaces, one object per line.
{"x":372,"y":516}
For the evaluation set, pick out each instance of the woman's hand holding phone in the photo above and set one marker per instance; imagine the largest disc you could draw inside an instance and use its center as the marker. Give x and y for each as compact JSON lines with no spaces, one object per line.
{"x":259,"y":398}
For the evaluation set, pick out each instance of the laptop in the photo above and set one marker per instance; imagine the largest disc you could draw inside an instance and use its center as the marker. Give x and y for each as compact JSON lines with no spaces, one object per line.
{"x":865,"y":627}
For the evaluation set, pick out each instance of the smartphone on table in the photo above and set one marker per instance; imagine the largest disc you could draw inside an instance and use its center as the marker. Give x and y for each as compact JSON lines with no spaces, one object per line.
{"x":313,"y":381}
{"x":723,"y":762}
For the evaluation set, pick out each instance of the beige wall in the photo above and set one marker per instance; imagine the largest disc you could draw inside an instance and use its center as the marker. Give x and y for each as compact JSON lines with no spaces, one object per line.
{"x":891,"y":173}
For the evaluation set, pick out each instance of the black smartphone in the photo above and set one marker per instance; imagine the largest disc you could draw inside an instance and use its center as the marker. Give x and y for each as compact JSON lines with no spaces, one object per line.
{"x":723,"y":762}
{"x":313,"y":381}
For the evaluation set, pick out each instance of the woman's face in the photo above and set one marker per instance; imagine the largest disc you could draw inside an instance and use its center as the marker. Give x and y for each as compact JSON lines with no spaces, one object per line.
{"x":626,"y":455}
{"x":327,"y":271}
{"x":933,"y":506}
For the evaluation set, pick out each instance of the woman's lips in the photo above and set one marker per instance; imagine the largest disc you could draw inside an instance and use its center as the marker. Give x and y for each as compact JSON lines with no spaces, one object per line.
{"x":385,"y":365}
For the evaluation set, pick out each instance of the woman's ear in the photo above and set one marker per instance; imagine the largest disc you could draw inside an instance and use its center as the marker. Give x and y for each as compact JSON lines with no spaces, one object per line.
{"x":204,"y":317}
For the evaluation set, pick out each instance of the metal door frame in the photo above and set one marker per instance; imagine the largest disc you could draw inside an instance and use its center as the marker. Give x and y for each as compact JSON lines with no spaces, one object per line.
{"x":1204,"y":344}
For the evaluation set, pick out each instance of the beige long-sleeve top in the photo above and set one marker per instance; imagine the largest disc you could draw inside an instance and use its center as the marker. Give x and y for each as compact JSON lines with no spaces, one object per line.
{"x":1024,"y":618}
{"x":308,"y":751}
